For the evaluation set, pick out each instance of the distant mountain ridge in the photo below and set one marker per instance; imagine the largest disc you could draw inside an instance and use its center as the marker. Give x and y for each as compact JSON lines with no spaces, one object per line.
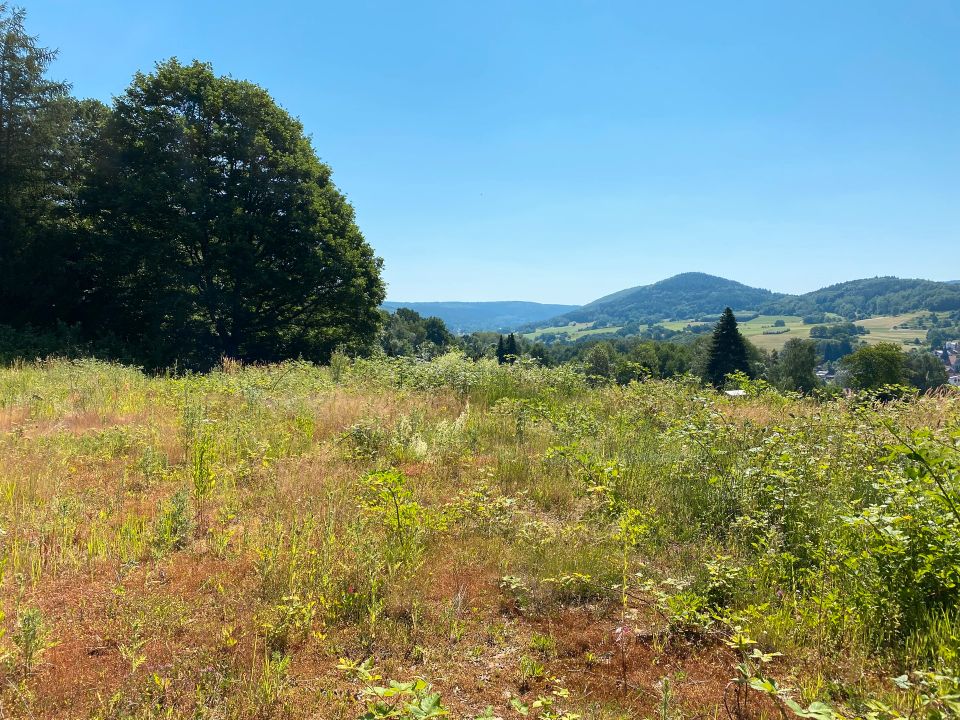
{"x":693,"y":295}
{"x":687,"y":295}
{"x":873,"y":296}
{"x":496,"y":316}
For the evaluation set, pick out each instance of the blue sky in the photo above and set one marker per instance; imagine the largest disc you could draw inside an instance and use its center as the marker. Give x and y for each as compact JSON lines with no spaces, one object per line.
{"x":561,"y":151}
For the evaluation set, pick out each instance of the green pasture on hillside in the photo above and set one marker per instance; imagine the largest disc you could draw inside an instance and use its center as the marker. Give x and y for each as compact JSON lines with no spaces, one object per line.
{"x":761,"y":329}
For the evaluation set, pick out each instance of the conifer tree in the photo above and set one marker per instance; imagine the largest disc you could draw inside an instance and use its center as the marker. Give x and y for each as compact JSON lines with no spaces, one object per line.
{"x":511,"y":349}
{"x":29,"y":136}
{"x":501,"y":350}
{"x":728,"y":350}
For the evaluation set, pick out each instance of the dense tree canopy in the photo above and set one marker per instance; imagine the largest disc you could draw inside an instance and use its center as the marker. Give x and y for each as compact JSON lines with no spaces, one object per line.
{"x":925,"y":370}
{"x":190,"y":221}
{"x":683,"y":296}
{"x":795,"y":366}
{"x":32,"y":115}
{"x":872,"y":296}
{"x":406,"y":332}
{"x":217,"y":228}
{"x":873,"y":366}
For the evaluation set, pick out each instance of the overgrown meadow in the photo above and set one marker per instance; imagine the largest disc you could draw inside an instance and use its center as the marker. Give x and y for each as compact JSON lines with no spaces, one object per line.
{"x":407,"y":539}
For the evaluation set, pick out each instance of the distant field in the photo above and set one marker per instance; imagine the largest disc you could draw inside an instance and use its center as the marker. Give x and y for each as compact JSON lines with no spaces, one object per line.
{"x":754,"y":329}
{"x":678,"y":324}
{"x":882,"y":329}
{"x":885,"y":328}
{"x":573,"y":331}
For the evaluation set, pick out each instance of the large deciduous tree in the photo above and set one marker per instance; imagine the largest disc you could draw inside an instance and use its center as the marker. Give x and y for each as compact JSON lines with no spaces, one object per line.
{"x":218,"y":231}
{"x":727,"y":351}
{"x":796,"y":365}
{"x":873,"y":366}
{"x":925,"y":370}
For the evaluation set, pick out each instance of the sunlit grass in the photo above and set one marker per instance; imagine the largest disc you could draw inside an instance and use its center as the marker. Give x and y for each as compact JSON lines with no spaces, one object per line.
{"x":226,"y":545}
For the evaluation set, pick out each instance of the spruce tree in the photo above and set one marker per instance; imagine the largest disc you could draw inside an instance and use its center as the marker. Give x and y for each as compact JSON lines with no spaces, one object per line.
{"x":501,"y":350}
{"x":511,"y":349}
{"x":30,"y":130}
{"x":728,"y":350}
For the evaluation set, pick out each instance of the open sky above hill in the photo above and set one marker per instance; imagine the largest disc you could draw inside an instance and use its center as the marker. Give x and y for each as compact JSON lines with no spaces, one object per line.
{"x":561,"y":152}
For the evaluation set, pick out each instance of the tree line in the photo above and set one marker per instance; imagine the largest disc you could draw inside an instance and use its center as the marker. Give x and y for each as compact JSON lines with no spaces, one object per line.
{"x":714,"y":357}
{"x":189,"y":220}
{"x":192,"y":220}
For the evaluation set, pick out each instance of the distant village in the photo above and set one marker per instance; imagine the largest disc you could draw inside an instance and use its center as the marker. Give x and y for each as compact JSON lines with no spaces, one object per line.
{"x":951,"y":358}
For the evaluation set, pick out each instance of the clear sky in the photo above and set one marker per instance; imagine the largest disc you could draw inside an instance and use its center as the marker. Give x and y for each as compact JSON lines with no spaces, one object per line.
{"x":559,"y":151}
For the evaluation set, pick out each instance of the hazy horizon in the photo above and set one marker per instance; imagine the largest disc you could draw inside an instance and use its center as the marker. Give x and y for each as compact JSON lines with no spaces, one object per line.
{"x":391,"y":299}
{"x":507,"y":153}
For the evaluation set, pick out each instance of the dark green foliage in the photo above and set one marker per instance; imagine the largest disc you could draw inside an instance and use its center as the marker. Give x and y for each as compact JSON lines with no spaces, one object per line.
{"x":31,"y":343}
{"x":838,"y":331}
{"x":632,"y":358}
{"x":837,"y":340}
{"x":683,"y":296}
{"x":873,"y":366}
{"x":925,"y":370}
{"x":405,"y":332}
{"x":872,"y":296}
{"x":508,"y":349}
{"x":834,"y":349}
{"x":727,"y":351}
{"x":599,"y":363}
{"x":795,"y":366}
{"x":946,"y":329}
{"x":511,"y":350}
{"x":31,"y":121}
{"x":540,"y":353}
{"x":218,"y":231}
{"x":57,"y":277}
{"x":191,"y":221}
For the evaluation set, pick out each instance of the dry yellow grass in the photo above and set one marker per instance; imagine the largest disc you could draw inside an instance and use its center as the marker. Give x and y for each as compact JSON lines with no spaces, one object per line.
{"x":211,"y":547}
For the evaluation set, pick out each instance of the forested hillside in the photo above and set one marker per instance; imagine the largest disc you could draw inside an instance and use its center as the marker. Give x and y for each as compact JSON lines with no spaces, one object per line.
{"x":688,"y":295}
{"x":467,"y":317}
{"x":873,"y":296}
{"x":691,"y":296}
